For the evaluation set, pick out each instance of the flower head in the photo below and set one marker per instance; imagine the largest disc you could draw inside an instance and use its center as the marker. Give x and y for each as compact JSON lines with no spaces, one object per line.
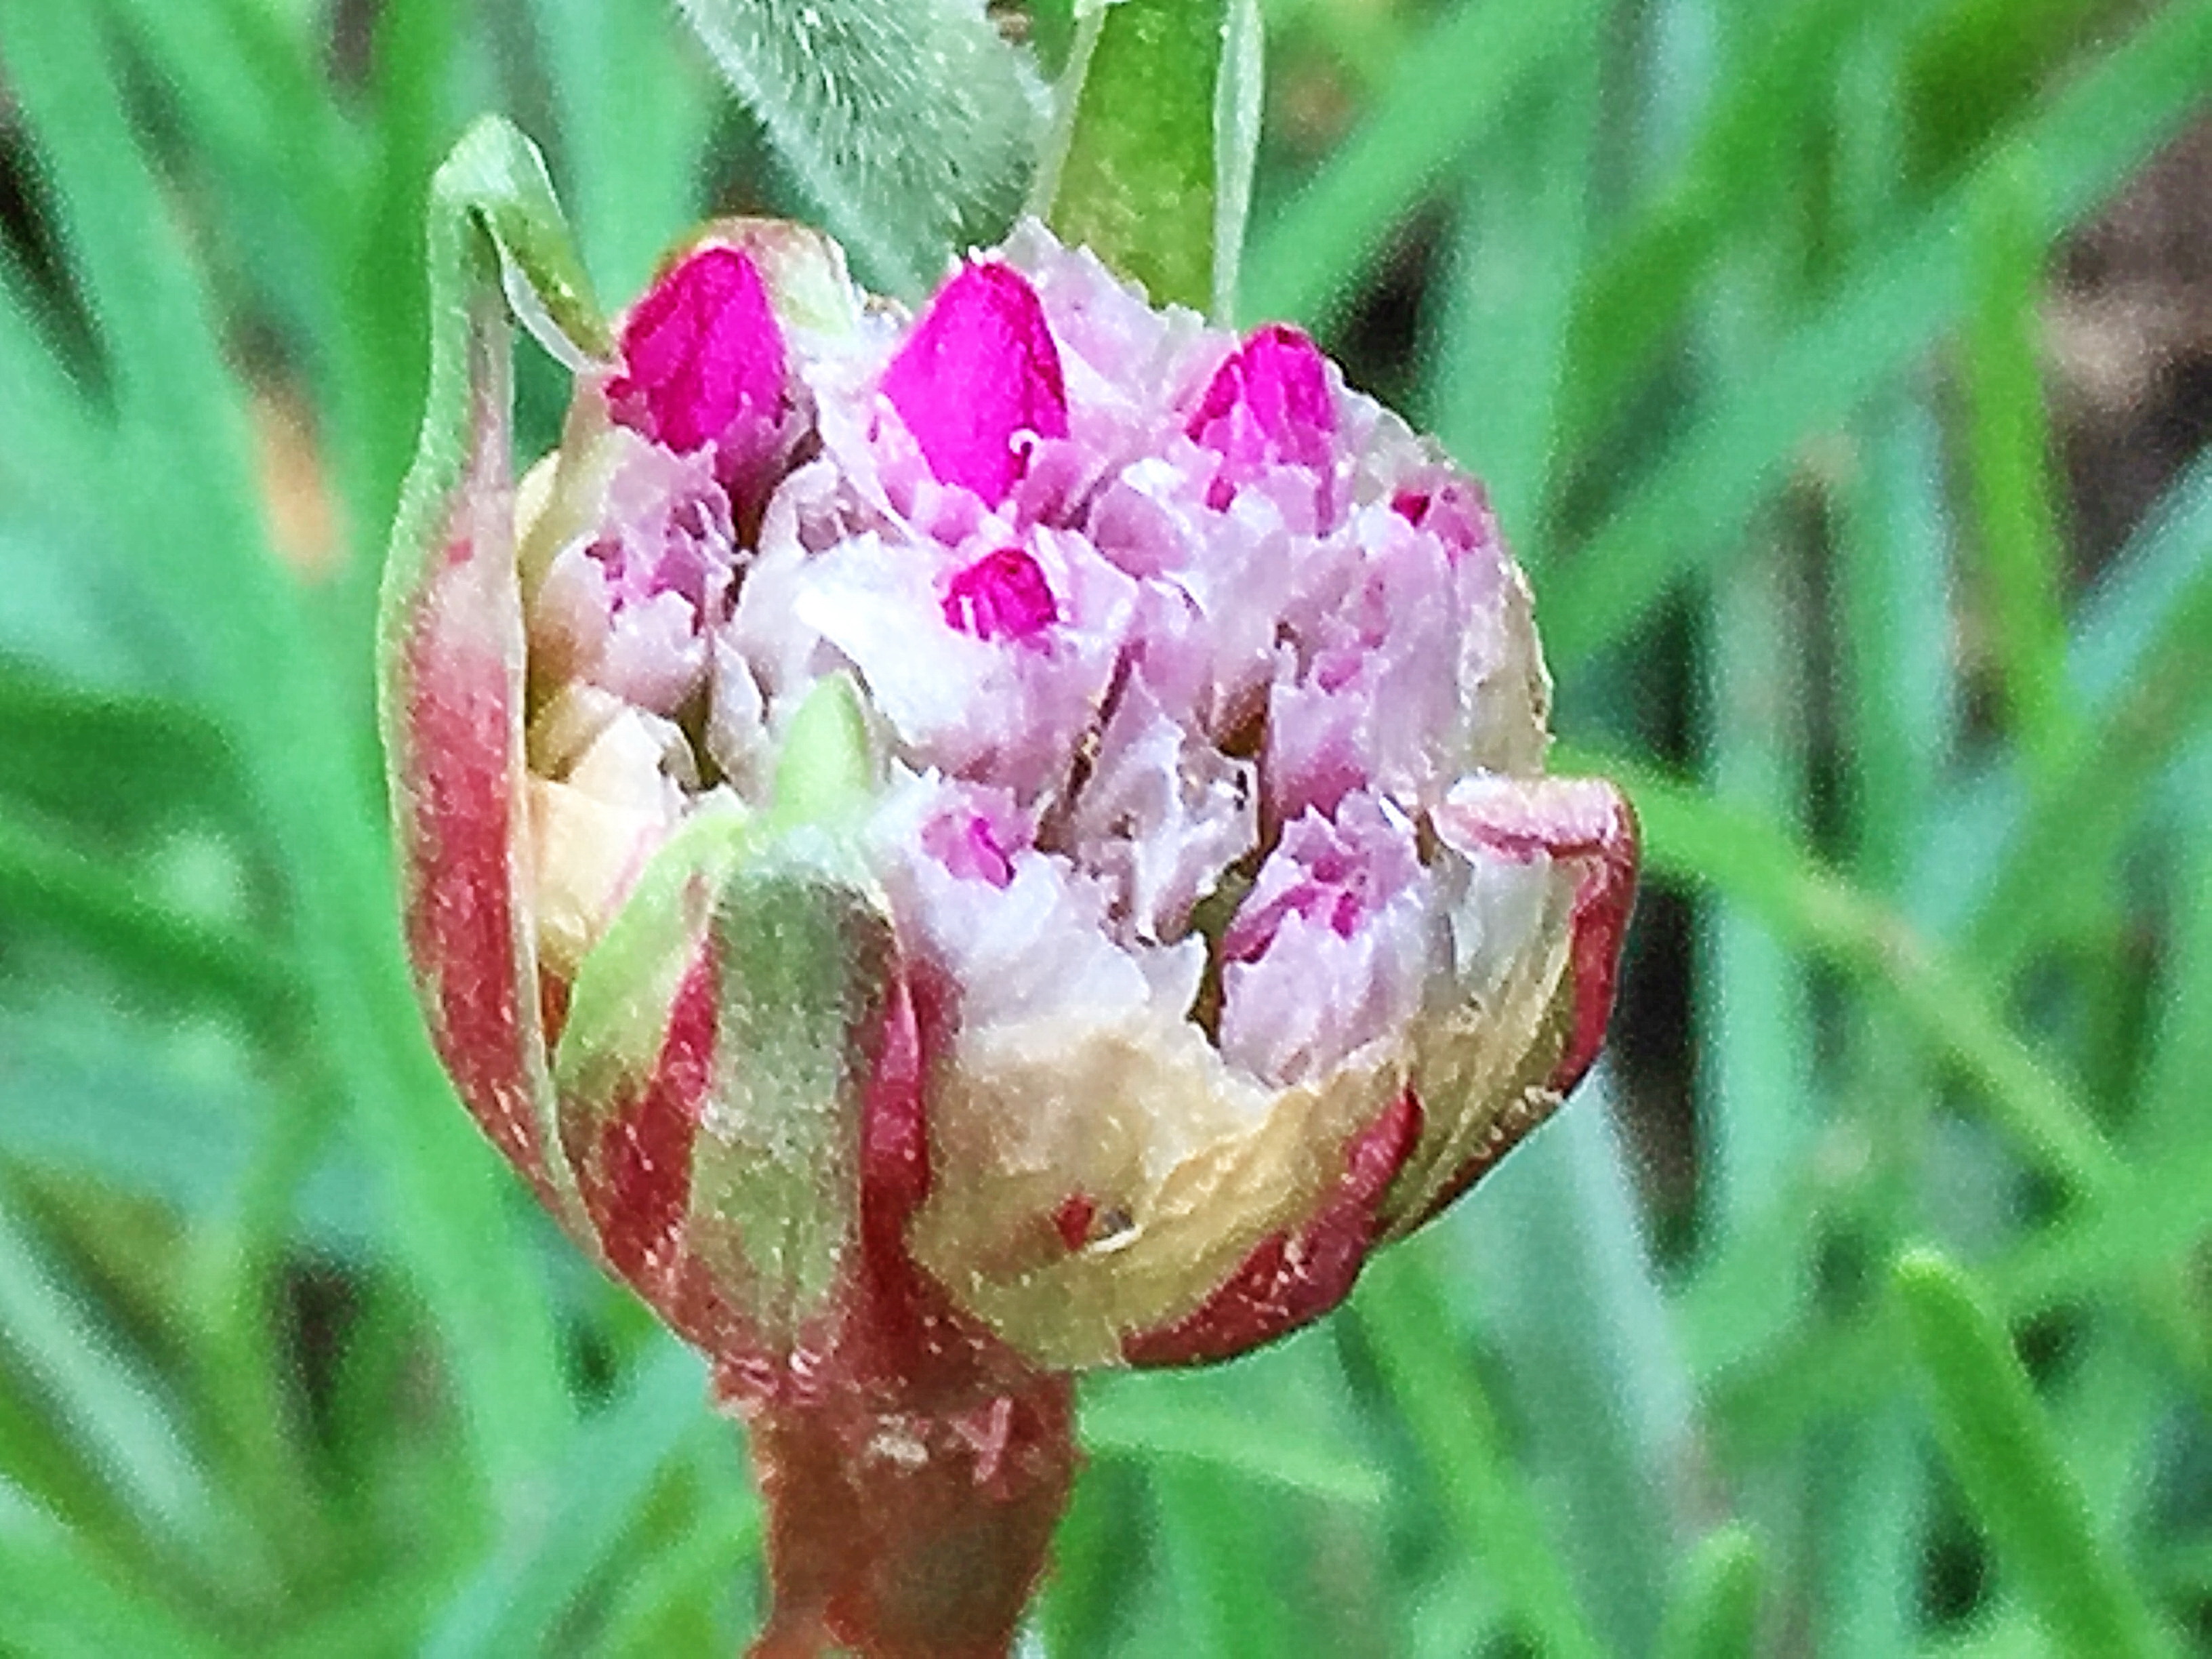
{"x":1209,"y":894}
{"x":959,"y":848}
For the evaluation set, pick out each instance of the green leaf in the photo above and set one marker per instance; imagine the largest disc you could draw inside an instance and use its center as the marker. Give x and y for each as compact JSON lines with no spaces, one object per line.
{"x":803,"y":959}
{"x":826,"y":771}
{"x":517,"y":1600}
{"x":184,"y":492}
{"x":634,"y":109}
{"x":113,"y":1412}
{"x":1887,"y":310}
{"x":1489,"y":1512}
{"x":2010,"y":462}
{"x":63,"y":1604}
{"x":1554,"y":1259}
{"x":1158,"y":1418}
{"x":1453,"y":85}
{"x":910,"y":121}
{"x":2004,"y":1450}
{"x":627,"y":985}
{"x":1690,"y":837}
{"x":1723,"y":195}
{"x":1156,"y":137}
{"x":174,"y":953}
{"x":1499,"y":359}
{"x":1715,"y":1612}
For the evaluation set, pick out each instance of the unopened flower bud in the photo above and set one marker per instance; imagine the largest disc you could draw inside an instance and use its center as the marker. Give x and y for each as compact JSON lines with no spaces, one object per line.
{"x":988,"y":844}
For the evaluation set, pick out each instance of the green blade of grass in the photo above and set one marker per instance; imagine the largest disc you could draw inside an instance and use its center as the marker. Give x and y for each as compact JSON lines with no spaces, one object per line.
{"x":1552,"y":1250}
{"x":1722,"y":194}
{"x":1896,"y":618}
{"x":516,"y":1602}
{"x":1715,"y":1611}
{"x":2168,"y":1116}
{"x":2140,"y":667}
{"x":1452,"y":86}
{"x":113,"y":1414}
{"x":1755,"y":1034}
{"x":2010,"y":462}
{"x":1686,"y":513}
{"x":1689,"y":837}
{"x":64,"y":1604}
{"x":159,"y":949}
{"x":1518,"y":247}
{"x":1151,"y":1422}
{"x":2000,"y":1445}
{"x":1225,"y":1556}
{"x":634,"y":118}
{"x":183,"y":483}
{"x":1491,"y":1515}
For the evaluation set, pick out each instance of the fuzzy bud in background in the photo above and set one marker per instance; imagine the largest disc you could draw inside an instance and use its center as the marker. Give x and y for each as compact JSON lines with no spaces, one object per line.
{"x":1015,"y":840}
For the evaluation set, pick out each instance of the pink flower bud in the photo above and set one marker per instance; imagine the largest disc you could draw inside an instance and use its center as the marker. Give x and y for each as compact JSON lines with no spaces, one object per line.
{"x":958,"y":850}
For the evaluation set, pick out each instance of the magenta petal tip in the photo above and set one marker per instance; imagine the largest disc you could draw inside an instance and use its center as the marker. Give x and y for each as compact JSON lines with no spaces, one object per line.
{"x":980,"y":369}
{"x":701,"y":352}
{"x":1268,"y":404}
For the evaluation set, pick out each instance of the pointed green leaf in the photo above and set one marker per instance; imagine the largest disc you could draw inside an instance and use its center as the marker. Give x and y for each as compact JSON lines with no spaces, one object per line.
{"x":2004,"y":1450}
{"x":826,"y":772}
{"x":1715,"y":1612}
{"x":626,"y":988}
{"x":450,"y":638}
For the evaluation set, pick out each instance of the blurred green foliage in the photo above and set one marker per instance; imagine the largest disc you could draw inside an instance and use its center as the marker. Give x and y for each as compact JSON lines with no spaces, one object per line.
{"x":1859,"y":1306}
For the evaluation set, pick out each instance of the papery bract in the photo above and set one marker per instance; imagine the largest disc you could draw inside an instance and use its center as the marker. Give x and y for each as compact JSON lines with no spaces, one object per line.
{"x":955,"y":851}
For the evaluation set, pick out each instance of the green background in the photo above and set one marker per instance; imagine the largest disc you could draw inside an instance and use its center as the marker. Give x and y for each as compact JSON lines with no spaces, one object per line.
{"x":1855,"y":439}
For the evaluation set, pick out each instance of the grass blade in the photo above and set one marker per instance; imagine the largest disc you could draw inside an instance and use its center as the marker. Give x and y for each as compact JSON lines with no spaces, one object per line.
{"x":1159,"y":1420}
{"x":183,"y":491}
{"x":1454,"y":85}
{"x":1491,"y":1515}
{"x":1690,"y":837}
{"x":62,"y":1604}
{"x":515,"y":1604}
{"x":1500,"y":356}
{"x":1715,"y":1613}
{"x":2010,"y":459}
{"x":1686,"y":512}
{"x":2004,"y":1450}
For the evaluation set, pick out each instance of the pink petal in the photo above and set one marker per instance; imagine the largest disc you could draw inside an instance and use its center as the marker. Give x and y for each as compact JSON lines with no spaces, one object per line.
{"x":1268,"y":405}
{"x":700,"y":353}
{"x":1003,"y":595}
{"x":980,"y":369}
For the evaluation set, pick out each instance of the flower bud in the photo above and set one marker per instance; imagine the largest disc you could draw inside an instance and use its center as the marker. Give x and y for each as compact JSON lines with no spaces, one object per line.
{"x":957,"y":849}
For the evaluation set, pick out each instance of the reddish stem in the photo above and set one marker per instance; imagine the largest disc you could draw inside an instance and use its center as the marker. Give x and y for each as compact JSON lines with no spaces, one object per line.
{"x":908,"y":1535}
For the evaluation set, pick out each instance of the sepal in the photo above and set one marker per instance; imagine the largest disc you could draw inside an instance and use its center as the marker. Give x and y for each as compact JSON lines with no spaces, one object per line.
{"x":451,"y":642}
